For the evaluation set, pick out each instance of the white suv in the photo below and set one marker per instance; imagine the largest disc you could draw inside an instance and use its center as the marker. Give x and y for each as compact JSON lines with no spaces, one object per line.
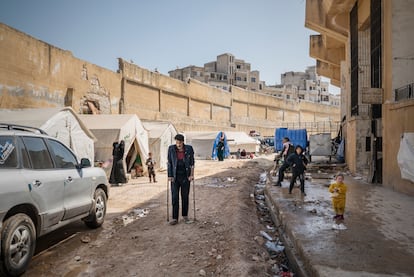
{"x":42,"y":188}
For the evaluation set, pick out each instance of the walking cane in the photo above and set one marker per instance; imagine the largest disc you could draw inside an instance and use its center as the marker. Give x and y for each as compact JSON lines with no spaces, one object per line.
{"x":194,"y":199}
{"x":168,"y":212}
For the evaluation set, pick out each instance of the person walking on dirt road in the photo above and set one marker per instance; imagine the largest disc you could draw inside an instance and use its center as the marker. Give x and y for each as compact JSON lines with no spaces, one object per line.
{"x":180,"y":174}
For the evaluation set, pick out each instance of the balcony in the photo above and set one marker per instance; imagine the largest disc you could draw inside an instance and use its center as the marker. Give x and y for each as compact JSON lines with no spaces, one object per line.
{"x":327,"y":49}
{"x":330,"y":71}
{"x":330,"y":17}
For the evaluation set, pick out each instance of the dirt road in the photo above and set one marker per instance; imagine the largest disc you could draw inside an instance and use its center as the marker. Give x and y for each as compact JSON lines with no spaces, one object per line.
{"x":136,"y":239}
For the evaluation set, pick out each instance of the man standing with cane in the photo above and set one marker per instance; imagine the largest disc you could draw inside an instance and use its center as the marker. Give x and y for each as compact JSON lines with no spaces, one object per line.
{"x":180,"y":175}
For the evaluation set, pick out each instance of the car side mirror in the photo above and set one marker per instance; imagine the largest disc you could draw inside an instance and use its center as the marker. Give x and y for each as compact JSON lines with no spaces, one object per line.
{"x":85,"y":163}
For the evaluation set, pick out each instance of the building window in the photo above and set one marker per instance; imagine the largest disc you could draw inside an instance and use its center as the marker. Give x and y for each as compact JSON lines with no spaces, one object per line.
{"x":238,"y":78}
{"x":368,"y":144}
{"x":238,"y":66}
{"x":253,"y":80}
{"x":405,"y":92}
{"x":225,"y":77}
{"x":212,"y":75}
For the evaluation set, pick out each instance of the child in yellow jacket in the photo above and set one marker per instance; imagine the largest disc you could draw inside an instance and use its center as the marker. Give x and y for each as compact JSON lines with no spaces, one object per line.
{"x":338,"y":191}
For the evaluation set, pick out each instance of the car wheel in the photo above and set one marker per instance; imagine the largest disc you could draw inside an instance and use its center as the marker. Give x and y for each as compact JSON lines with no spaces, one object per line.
{"x":97,"y":215}
{"x":18,"y":242}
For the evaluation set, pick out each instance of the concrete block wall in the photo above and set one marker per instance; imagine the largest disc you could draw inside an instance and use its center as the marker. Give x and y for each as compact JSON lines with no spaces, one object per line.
{"x":34,"y":74}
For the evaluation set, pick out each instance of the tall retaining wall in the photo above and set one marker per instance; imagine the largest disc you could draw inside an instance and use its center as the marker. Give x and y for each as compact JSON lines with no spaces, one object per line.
{"x":34,"y":74}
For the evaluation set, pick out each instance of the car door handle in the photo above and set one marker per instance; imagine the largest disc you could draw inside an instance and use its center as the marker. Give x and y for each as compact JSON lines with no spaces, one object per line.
{"x":69,"y":179}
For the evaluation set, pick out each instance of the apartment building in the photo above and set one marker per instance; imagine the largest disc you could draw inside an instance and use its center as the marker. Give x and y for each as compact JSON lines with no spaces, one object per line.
{"x":191,"y":71}
{"x":227,"y":71}
{"x":222,"y":73}
{"x":306,"y":86}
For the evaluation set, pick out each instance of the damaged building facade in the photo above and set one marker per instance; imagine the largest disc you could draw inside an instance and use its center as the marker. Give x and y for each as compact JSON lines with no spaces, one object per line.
{"x":34,"y":74}
{"x":365,"y":47}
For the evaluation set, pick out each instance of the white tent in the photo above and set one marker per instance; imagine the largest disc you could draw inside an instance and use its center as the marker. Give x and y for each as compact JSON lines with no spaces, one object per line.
{"x":242,"y":140}
{"x":110,"y":128}
{"x":203,"y":142}
{"x":61,"y":123}
{"x":161,"y":136}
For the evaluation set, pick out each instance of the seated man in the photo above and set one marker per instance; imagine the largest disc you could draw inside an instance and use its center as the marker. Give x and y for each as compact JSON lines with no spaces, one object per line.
{"x":287,"y":150}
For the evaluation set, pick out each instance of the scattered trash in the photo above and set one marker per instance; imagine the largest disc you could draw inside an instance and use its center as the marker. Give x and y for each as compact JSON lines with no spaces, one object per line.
{"x":260,"y":185}
{"x":202,"y":272}
{"x":260,"y":197}
{"x":127,"y":219}
{"x":134,"y":214}
{"x":141,"y":212}
{"x":340,"y":226}
{"x":255,"y":258}
{"x":259,"y":191}
{"x":85,"y":239}
{"x":77,"y":258}
{"x":286,"y":274}
{"x":313,"y":211}
{"x":266,"y":235}
{"x":358,"y":178}
{"x":275,"y":269}
{"x":263,"y":177}
{"x":230,"y":179}
{"x":219,"y":257}
{"x":274,"y":247}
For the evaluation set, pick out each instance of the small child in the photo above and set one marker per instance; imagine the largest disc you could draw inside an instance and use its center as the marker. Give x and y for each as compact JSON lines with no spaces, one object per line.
{"x":150,"y":164}
{"x":338,"y":191}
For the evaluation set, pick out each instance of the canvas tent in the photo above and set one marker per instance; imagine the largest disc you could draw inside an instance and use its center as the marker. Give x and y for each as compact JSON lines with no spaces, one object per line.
{"x":161,"y":136}
{"x":203,"y":142}
{"x":61,"y":123}
{"x":110,"y":128}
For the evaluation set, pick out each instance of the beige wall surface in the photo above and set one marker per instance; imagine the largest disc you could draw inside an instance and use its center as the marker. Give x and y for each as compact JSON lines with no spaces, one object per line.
{"x":36,"y":74}
{"x":398,"y":67}
{"x":404,"y":115}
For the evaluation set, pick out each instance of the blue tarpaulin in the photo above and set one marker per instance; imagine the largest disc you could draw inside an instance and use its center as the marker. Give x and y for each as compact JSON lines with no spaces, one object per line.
{"x":296,"y":136}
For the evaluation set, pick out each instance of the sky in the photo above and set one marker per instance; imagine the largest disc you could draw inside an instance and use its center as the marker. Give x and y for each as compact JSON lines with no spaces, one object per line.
{"x":166,"y":34}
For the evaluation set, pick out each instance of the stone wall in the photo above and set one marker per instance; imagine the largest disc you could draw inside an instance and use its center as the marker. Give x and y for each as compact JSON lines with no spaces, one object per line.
{"x":192,"y":105}
{"x":34,"y":74}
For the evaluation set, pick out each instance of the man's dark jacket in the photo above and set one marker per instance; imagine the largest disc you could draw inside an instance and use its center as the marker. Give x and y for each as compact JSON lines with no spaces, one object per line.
{"x":172,"y":160}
